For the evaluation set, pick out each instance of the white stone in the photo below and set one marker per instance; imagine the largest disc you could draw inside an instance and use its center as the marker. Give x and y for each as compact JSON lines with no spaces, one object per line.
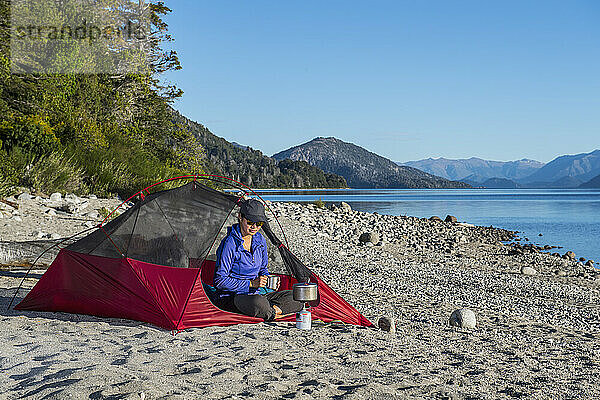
{"x":92,"y":197}
{"x":93,"y":214}
{"x":24,"y":197}
{"x":55,"y":236}
{"x":17,"y":218}
{"x":51,"y":212}
{"x":528,"y":271}
{"x":40,"y":234}
{"x":55,"y":197}
{"x":72,"y":198}
{"x":345,"y":206}
{"x":89,"y":224}
{"x":463,"y":318}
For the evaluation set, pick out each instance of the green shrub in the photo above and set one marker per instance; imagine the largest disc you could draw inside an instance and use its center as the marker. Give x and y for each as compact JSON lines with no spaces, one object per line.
{"x":7,"y":175}
{"x":319,"y":203}
{"x":32,"y":134}
{"x":105,"y":212}
{"x":13,"y":166}
{"x":56,"y":172}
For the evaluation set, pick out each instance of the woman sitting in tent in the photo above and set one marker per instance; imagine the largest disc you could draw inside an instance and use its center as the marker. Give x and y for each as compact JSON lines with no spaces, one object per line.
{"x":241,"y":269}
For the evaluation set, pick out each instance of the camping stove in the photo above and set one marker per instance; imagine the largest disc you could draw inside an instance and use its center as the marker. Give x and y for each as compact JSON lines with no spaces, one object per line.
{"x":304,"y":292}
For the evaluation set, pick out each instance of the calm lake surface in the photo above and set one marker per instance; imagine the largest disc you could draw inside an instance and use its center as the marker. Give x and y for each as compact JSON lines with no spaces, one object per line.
{"x":565,"y":217}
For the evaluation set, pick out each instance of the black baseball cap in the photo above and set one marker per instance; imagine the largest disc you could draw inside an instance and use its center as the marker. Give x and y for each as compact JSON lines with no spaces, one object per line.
{"x":253,"y":210}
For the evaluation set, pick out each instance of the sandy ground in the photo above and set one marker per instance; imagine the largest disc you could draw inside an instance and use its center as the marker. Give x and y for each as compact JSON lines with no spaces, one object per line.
{"x":537,"y":337}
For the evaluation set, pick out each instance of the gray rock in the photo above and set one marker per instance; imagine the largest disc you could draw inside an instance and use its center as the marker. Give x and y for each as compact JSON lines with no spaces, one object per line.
{"x":72,"y":198}
{"x":55,"y":236}
{"x":24,"y":197}
{"x":528,"y":271}
{"x":570,"y":255}
{"x":515,"y":252}
{"x":68,"y":207}
{"x":93,"y":214}
{"x":435,"y":218}
{"x":92,"y":197}
{"x":345,"y":206}
{"x":16,"y":218}
{"x":450,"y":218}
{"x":89,"y":224}
{"x":589,"y":263}
{"x":561,"y":272}
{"x":56,"y":197}
{"x":369,"y":237}
{"x":387,"y":324}
{"x":51,"y":212}
{"x":463,"y":318}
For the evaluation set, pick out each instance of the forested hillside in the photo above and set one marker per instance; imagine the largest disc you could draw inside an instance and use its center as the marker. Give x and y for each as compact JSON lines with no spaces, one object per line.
{"x":252,"y":167}
{"x":102,"y":133}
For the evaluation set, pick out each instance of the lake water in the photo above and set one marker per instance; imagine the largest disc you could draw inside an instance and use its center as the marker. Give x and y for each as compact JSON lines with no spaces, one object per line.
{"x":565,"y":217}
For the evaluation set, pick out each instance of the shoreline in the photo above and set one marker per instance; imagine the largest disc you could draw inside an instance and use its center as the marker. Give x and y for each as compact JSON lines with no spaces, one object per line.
{"x":558,"y":232}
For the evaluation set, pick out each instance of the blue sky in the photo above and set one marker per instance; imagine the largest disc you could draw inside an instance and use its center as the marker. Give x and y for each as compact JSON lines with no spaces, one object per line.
{"x":404,"y":79}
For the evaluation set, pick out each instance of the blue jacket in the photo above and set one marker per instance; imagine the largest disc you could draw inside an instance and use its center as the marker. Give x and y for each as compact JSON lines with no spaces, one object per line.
{"x":236,"y":267}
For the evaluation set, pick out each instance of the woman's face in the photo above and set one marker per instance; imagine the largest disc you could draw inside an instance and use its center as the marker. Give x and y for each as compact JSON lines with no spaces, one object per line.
{"x":248,"y":227}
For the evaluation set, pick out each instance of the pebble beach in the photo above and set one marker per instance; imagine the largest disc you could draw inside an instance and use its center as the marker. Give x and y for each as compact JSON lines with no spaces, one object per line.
{"x":535,"y":332}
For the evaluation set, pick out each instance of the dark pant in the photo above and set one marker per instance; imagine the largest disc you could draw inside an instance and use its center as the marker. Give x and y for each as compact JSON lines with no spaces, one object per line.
{"x":261,"y":306}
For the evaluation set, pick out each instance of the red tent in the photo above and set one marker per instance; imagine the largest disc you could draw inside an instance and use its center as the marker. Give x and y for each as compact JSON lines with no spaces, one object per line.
{"x":155,"y":262}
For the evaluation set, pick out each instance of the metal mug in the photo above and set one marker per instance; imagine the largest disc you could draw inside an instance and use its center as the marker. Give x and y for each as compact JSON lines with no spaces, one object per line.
{"x":273,"y":282}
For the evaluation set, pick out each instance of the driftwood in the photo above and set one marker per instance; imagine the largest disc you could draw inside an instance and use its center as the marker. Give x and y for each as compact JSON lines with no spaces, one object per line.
{"x":10,"y":203}
{"x":15,"y":254}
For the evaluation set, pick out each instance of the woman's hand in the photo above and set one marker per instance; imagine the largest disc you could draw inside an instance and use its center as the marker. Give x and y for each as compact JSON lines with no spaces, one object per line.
{"x":261,"y":281}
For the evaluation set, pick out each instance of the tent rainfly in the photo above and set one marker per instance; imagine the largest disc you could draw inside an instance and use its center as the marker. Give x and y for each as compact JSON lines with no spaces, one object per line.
{"x":155,"y":262}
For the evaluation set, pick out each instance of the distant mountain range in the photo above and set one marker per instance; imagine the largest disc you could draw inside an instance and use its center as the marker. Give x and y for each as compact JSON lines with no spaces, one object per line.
{"x":572,"y":170}
{"x":362,"y":168}
{"x":593,"y":183}
{"x":569,"y":171}
{"x":476,"y":169}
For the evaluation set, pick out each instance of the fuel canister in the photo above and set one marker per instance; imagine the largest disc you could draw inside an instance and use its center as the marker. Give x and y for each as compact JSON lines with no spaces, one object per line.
{"x":303,"y":320}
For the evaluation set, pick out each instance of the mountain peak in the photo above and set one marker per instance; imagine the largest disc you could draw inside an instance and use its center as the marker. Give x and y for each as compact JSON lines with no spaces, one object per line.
{"x":583,"y":166}
{"x":361,"y":167}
